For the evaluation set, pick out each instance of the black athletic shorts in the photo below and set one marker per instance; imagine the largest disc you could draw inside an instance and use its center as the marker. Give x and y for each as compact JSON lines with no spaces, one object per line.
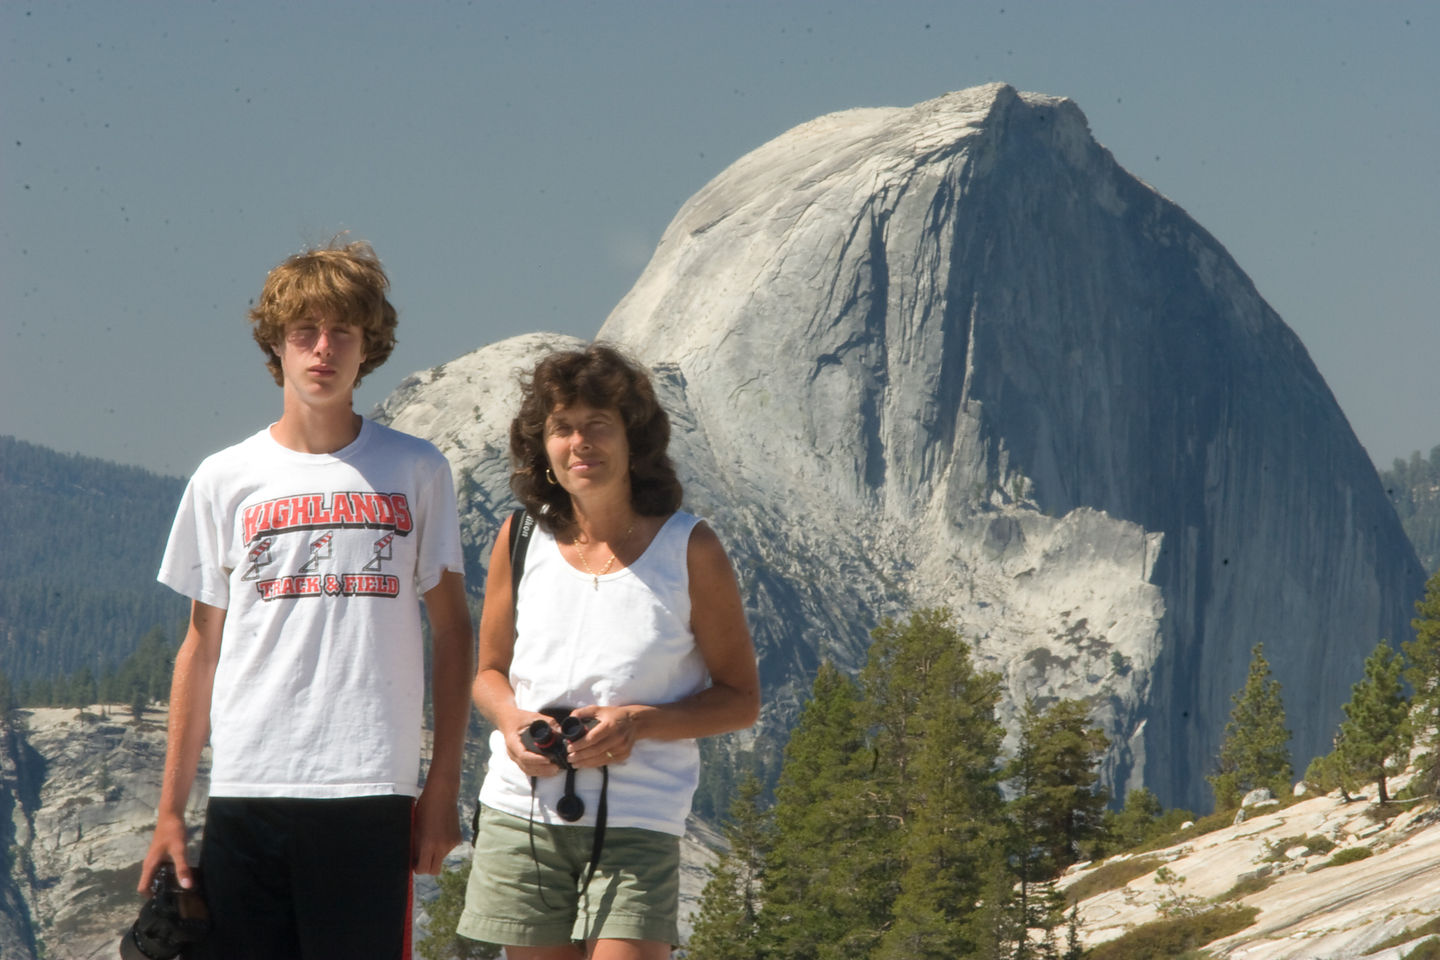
{"x":290,"y":879}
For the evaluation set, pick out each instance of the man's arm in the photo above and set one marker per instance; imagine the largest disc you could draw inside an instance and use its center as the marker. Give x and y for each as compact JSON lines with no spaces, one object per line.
{"x":189,"y":729}
{"x":437,"y":824}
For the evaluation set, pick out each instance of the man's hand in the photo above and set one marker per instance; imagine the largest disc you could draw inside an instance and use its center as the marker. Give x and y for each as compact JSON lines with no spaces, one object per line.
{"x":167,"y":844}
{"x":437,"y":828}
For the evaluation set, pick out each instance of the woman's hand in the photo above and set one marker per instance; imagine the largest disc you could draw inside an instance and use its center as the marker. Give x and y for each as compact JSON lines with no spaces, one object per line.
{"x":532,"y":763}
{"x":610,"y":741}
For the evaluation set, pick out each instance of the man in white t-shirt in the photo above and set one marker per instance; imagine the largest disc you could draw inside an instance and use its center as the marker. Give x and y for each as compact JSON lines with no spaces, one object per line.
{"x":306,"y":551}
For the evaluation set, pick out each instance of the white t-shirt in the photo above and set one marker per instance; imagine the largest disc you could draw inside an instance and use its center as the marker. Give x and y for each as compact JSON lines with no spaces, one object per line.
{"x":319,"y":561}
{"x":626,"y":640}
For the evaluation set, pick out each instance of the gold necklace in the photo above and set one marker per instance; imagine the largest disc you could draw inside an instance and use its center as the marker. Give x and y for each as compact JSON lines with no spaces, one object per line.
{"x":595,"y":577}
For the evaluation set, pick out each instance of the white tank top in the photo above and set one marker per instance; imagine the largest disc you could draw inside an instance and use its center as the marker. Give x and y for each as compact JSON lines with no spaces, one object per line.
{"x":624,"y":640}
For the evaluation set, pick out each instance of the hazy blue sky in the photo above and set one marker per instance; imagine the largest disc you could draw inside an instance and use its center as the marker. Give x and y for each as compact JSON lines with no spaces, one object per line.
{"x":515,"y":163}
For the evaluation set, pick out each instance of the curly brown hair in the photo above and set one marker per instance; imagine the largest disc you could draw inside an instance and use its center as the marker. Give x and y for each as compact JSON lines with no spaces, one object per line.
{"x":597,"y":376}
{"x":344,"y":281}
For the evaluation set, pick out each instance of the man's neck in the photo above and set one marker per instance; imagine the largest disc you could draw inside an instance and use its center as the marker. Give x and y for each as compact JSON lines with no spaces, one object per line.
{"x":306,"y":429}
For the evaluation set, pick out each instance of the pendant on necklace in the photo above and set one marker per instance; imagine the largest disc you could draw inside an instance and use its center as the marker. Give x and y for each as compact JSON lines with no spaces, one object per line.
{"x":595,"y":582}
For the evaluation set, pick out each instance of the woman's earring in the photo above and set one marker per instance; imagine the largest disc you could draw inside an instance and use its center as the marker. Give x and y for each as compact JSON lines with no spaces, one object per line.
{"x":551,"y":477}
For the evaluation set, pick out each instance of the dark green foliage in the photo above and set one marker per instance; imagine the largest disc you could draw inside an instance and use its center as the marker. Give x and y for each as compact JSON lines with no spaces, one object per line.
{"x":1313,"y":844}
{"x":727,"y":926}
{"x":1414,"y":489}
{"x":824,"y":839}
{"x":1168,"y":939}
{"x":441,"y":942}
{"x":1132,"y":825}
{"x":1142,"y":822}
{"x":1349,"y":855}
{"x":717,"y":781}
{"x":1110,"y":876}
{"x":144,"y":677}
{"x":1429,"y":950}
{"x":937,"y":745}
{"x":1422,"y":672}
{"x":1374,"y":737}
{"x":77,"y":575}
{"x":1056,"y":806}
{"x":890,"y":836}
{"x":8,"y":701}
{"x":1255,"y":751}
{"x":887,"y":838}
{"x":1254,"y":883}
{"x":1324,"y":773}
{"x":1408,"y":934}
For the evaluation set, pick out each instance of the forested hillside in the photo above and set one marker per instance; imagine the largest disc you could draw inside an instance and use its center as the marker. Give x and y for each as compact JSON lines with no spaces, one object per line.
{"x":77,"y":574}
{"x":1414,"y":488}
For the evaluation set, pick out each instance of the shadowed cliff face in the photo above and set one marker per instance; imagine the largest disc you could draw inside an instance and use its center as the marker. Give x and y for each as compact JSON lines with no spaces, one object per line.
{"x":954,"y":354}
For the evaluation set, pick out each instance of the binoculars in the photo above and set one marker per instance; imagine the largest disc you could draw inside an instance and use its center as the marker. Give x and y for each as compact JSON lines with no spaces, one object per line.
{"x":541,"y":738}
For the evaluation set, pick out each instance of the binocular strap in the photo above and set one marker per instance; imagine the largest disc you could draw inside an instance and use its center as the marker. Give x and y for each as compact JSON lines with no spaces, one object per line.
{"x":570,"y":794}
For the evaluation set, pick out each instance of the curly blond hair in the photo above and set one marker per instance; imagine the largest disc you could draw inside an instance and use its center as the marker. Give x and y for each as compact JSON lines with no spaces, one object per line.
{"x":344,"y":281}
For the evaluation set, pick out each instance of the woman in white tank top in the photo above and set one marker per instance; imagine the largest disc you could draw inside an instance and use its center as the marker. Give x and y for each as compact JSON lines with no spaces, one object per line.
{"x":627,"y":615}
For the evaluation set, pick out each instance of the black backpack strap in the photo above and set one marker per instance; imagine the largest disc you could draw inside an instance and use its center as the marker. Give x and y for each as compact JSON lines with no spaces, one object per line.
{"x":522,"y":525}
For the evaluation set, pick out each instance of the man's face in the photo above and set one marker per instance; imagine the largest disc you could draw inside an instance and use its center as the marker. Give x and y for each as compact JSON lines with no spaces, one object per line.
{"x":321,"y":357}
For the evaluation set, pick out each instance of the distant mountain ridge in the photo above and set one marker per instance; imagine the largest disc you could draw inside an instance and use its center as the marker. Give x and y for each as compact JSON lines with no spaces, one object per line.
{"x":1413,"y":486}
{"x":77,"y":576}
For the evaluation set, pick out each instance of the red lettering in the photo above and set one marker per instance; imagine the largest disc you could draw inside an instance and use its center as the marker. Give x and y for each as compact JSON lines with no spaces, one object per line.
{"x":364,"y":508}
{"x":341,"y":508}
{"x":403,"y":523}
{"x":303,"y":510}
{"x":250,"y":522}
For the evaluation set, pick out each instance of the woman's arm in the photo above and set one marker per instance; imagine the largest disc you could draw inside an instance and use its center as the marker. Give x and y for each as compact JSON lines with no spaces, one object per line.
{"x":731,"y":702}
{"x":492,"y":693}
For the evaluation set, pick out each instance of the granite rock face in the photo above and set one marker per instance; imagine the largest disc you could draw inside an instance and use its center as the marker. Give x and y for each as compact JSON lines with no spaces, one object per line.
{"x":955,"y":355}
{"x":79,"y":789}
{"x":78,"y":794}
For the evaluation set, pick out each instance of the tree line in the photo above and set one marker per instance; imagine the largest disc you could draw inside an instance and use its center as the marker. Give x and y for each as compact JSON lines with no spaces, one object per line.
{"x":899,"y":829}
{"x":84,"y":538}
{"x":1413,"y":486}
{"x":141,"y":679}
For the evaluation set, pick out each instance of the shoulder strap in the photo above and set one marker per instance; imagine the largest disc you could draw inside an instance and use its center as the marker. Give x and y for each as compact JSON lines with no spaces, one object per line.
{"x":522,"y":525}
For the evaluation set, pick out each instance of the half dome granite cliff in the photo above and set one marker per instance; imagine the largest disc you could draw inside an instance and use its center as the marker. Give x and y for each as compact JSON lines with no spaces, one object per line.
{"x":954,"y":354}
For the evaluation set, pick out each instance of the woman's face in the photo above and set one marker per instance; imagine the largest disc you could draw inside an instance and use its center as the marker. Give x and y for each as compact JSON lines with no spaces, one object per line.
{"x":587,"y":447}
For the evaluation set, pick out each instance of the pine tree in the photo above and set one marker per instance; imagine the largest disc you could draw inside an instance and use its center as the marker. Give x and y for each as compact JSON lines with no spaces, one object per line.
{"x":1142,"y":819}
{"x":1255,"y":751}
{"x":441,"y":942}
{"x":1056,"y":806}
{"x":1423,"y":675}
{"x":938,"y":744}
{"x":823,"y":834}
{"x":727,"y":926}
{"x":1374,"y":738}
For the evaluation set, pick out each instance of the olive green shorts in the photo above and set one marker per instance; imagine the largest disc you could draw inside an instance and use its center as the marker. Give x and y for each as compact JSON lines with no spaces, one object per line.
{"x":518,"y":899}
